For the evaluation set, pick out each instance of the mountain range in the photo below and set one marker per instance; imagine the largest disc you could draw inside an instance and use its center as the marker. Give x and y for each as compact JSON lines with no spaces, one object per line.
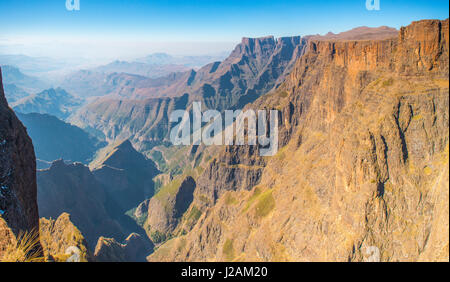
{"x":53,"y":139}
{"x":362,"y":160}
{"x":56,"y":102}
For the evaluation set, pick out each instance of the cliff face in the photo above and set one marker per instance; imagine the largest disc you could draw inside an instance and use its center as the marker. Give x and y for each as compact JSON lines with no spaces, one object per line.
{"x":18,"y":204}
{"x":362,"y":166}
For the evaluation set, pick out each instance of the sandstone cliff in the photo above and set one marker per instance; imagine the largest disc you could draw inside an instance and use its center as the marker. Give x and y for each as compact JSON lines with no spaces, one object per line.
{"x":18,"y":205}
{"x":362,"y":166}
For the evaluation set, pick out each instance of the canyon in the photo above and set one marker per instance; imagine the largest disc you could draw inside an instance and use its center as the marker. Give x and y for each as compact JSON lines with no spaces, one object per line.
{"x":362,"y":159}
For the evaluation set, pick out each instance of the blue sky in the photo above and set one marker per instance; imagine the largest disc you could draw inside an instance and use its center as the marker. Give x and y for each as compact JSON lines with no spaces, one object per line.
{"x":30,"y":22}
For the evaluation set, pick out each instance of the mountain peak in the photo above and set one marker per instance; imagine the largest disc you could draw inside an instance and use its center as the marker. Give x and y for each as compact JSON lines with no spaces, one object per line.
{"x":125,"y":144}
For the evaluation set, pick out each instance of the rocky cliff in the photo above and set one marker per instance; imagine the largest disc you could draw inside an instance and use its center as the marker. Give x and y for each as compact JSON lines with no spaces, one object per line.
{"x":362,"y":167}
{"x":18,"y":205}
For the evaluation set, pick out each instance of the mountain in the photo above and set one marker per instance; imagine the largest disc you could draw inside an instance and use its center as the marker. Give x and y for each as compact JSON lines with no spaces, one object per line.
{"x":88,"y":83}
{"x":98,"y":197}
{"x":12,"y":75}
{"x":55,"y":102}
{"x":143,"y":120}
{"x":134,"y":249}
{"x":255,"y":67}
{"x":32,"y":65}
{"x":18,"y":205}
{"x":126,"y":174}
{"x":360,"y":33}
{"x":73,"y":189}
{"x":54,"y":139}
{"x":188,"y":61}
{"x":362,"y":163}
{"x":14,"y":93}
{"x":143,"y":69}
{"x":165,"y":209}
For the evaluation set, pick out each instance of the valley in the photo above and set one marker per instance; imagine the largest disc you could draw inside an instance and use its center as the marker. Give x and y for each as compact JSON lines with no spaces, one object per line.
{"x":362,"y":155}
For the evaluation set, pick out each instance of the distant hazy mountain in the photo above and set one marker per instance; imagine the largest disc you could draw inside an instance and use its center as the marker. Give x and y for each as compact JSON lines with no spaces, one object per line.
{"x":189,"y":61}
{"x":144,"y":69}
{"x":14,"y":93}
{"x":55,"y":102}
{"x":87,"y":83}
{"x":360,"y":33}
{"x":12,"y":75}
{"x":54,"y":139}
{"x":32,"y":65}
{"x":256,"y":66}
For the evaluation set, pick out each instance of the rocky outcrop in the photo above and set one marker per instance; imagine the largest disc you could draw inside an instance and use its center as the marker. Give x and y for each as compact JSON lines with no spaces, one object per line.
{"x":363,"y":164}
{"x":142,"y":209}
{"x":60,"y":236}
{"x":18,"y":205}
{"x":126,"y":174}
{"x":167,"y":207}
{"x":134,"y":249}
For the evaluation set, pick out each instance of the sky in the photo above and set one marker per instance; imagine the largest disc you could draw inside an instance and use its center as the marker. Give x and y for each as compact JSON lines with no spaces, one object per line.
{"x":127,"y":28}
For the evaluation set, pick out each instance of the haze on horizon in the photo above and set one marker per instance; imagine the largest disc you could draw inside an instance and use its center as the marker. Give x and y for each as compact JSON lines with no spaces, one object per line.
{"x":119,"y":29}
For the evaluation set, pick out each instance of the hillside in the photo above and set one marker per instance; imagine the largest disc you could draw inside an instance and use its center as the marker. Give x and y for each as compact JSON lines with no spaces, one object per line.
{"x":362,"y":164}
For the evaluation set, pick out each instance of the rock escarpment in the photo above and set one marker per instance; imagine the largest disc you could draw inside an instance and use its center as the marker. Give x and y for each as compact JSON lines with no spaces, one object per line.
{"x":18,"y":205}
{"x":363,"y":162}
